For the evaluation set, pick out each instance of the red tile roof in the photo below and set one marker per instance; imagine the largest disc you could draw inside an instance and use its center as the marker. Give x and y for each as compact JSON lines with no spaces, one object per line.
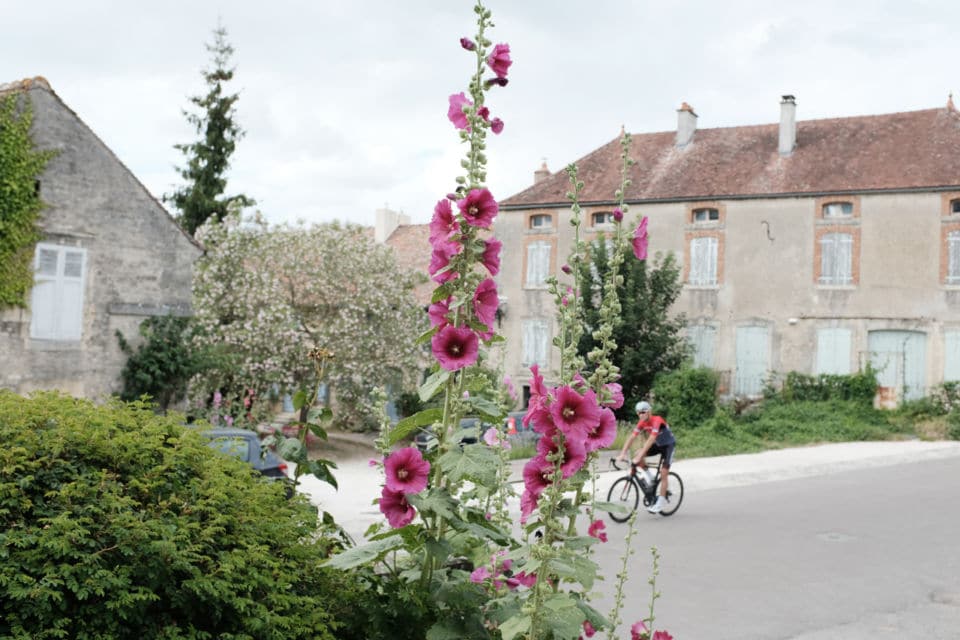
{"x":411,"y":244}
{"x":897,"y":151}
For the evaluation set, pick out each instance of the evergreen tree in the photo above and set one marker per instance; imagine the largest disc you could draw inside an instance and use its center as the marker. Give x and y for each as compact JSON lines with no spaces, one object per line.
{"x":209,"y":157}
{"x":649,"y":340}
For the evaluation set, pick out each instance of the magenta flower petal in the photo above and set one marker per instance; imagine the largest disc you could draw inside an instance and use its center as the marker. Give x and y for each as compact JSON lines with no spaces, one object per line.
{"x":455,"y":113}
{"x":406,"y":470}
{"x":537,"y":475}
{"x":575,"y":415}
{"x":468,"y":44}
{"x":596,"y":530}
{"x":640,"y":240}
{"x":443,"y":251}
{"x":480,"y":574}
{"x":485,"y":302}
{"x":491,"y":255}
{"x":603,"y":435}
{"x":637,"y":630}
{"x":661,"y":635}
{"x":574,"y":454}
{"x":499,"y":60}
{"x":394,"y":505}
{"x":528,"y":504}
{"x":615,"y":391}
{"x":496,"y":125}
{"x":439,"y":313}
{"x":443,"y":224}
{"x":479,"y":208}
{"x":618,"y":214}
{"x":455,"y":347}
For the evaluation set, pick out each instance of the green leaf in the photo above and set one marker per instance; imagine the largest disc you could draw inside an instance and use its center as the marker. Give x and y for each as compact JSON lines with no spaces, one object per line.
{"x":485,"y":407}
{"x":321,"y":470}
{"x":435,"y":501}
{"x":563,"y":617}
{"x":317,"y":430}
{"x":442,"y":292}
{"x":293,"y":450}
{"x":320,"y":413}
{"x":368,"y":553}
{"x":425,"y":336}
{"x":408,"y":425}
{"x":299,"y":399}
{"x":576,"y":567}
{"x":611,"y":507}
{"x":477,"y":463}
{"x":515,"y":626}
{"x":433,"y":384}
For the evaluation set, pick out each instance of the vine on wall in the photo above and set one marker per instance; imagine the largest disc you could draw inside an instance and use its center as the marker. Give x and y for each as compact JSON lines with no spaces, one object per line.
{"x":20,"y":204}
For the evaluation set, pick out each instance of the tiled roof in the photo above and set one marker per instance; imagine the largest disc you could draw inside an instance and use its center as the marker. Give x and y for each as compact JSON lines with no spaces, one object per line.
{"x":411,"y":244}
{"x":897,"y":151}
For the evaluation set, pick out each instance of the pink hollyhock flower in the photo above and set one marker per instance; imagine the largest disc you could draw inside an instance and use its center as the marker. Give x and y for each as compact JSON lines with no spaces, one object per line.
{"x":406,"y":470}
{"x":217,"y":398}
{"x":394,"y":505}
{"x":485,"y":302}
{"x":468,"y":44}
{"x":491,"y":255}
{"x":521,"y":579}
{"x":373,"y":462}
{"x":575,"y":415}
{"x":596,"y":530}
{"x":638,"y":630}
{"x":574,"y":454}
{"x":496,"y":125}
{"x":537,"y":475}
{"x":511,"y":390}
{"x":603,"y":435}
{"x":493,"y":438}
{"x":228,"y":420}
{"x":480,"y":574}
{"x":618,"y":214}
{"x":588,"y":629}
{"x":479,"y":208}
{"x":455,"y":347}
{"x":455,"y":113}
{"x":443,"y":225}
{"x":528,"y":504}
{"x":499,"y":60}
{"x":439,"y":312}
{"x":661,"y":635}
{"x":440,"y":260}
{"x":616,"y":395}
{"x":640,"y":240}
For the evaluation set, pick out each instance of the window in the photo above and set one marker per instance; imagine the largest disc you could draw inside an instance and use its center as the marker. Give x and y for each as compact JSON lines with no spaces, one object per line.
{"x":836,"y":258}
{"x":838,"y":210}
{"x":833,"y":351}
{"x":541,"y":221}
{"x":536,"y":342}
{"x":702,"y":337}
{"x":951,"y":355}
{"x":538,"y":263}
{"x":753,"y":360}
{"x":708,"y":214}
{"x":602,"y":217}
{"x":955,"y":206}
{"x":953,"y":257}
{"x":56,"y":304}
{"x":703,"y":261}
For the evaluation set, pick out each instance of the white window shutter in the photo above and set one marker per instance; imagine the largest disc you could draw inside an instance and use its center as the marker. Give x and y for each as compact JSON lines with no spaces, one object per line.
{"x":56,"y":304}
{"x":953,"y":257}
{"x":833,"y":351}
{"x":538,"y":263}
{"x":703,"y":261}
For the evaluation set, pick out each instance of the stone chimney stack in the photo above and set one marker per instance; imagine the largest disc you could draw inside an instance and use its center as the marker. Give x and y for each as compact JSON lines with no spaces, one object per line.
{"x":542,"y":173}
{"x":788,"y":125}
{"x":386,"y":222}
{"x":686,"y":125}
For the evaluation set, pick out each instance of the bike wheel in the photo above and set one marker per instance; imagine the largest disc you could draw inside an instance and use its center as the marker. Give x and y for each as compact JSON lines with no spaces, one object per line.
{"x":674,"y":495}
{"x":625,"y":493}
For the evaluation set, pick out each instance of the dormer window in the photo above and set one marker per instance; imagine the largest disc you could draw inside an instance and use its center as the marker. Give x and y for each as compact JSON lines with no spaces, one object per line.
{"x":602,"y":217}
{"x":707,"y":214}
{"x":838,"y":210}
{"x":541,"y":221}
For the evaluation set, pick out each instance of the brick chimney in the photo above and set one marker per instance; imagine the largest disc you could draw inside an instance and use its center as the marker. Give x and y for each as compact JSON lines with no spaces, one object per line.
{"x":788,"y":125}
{"x":542,"y":173}
{"x":686,"y":125}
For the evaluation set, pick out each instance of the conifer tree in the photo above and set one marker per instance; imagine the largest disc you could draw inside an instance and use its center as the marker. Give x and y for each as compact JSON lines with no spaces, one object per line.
{"x":209,"y":157}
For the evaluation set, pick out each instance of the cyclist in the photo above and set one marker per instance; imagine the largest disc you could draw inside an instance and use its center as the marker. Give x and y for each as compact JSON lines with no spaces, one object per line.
{"x":660,"y":441}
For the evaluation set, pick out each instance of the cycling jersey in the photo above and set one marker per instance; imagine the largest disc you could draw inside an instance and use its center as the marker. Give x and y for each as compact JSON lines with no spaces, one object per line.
{"x":656,"y":426}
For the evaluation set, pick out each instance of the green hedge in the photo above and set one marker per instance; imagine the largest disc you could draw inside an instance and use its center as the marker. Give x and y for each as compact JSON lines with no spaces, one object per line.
{"x":686,"y":398}
{"x":117,"y":523}
{"x":858,"y":387}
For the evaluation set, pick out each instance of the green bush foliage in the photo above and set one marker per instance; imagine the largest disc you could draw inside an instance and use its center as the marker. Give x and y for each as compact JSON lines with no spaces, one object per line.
{"x":686,"y":397}
{"x":860,"y":387}
{"x":118,"y":523}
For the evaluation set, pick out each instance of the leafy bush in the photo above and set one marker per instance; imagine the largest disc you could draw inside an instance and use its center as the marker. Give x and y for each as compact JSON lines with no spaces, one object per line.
{"x":118,"y":523}
{"x":686,"y":397}
{"x":953,"y":425}
{"x":860,"y":387}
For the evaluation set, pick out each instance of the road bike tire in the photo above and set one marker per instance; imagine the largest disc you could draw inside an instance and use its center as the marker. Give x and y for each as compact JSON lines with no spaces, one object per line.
{"x":674,"y":495}
{"x":625,"y":493}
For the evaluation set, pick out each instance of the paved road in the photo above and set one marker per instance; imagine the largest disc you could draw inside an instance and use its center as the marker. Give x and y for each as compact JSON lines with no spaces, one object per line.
{"x":871,"y":553}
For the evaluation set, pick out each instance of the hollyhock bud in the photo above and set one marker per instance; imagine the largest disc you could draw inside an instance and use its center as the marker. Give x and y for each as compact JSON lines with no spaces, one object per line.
{"x":618,"y":215}
{"x":566,"y":269}
{"x":495,"y":81}
{"x":468,"y":44}
{"x":496,"y":125}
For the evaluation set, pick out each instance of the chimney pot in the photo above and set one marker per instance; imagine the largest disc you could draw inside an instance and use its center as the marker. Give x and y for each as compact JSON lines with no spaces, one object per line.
{"x":542,"y":173}
{"x":686,"y":125}
{"x":788,"y":125}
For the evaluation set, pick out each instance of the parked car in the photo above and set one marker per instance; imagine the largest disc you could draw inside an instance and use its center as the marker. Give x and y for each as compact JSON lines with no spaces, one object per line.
{"x":471,"y":430}
{"x":246,"y":445}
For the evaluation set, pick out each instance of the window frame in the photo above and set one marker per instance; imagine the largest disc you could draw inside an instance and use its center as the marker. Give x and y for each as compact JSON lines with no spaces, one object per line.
{"x":607,"y":222}
{"x":535,"y":352}
{"x":49,"y":320}
{"x":549,"y":268}
{"x":689,"y":271}
{"x":838,"y":278}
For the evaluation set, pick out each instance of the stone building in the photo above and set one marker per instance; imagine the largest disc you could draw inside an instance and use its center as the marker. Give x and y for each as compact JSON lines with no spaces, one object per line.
{"x":110,"y":256}
{"x":811,"y":246}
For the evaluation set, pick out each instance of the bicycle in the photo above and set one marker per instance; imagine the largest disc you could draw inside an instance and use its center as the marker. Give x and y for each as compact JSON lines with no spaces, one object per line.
{"x":626,"y":491}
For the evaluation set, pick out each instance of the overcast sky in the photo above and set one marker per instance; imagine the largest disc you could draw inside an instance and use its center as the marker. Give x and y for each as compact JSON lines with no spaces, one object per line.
{"x":344,"y":101}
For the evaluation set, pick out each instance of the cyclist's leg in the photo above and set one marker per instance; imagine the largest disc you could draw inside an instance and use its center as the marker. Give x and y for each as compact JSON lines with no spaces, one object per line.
{"x":666,"y":459}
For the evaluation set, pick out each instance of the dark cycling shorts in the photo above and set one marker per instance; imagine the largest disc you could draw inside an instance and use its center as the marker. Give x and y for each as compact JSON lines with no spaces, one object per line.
{"x":664,"y":451}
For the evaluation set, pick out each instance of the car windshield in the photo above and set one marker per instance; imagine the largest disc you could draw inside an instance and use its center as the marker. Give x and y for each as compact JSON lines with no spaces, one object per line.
{"x":239,"y":447}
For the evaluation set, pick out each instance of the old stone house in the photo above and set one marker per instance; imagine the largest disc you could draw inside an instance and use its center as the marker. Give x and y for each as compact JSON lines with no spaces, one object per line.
{"x":811,"y":246}
{"x":110,"y":256}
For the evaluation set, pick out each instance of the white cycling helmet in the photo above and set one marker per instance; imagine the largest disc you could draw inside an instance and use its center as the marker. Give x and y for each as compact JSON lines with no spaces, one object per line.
{"x":643,"y":405}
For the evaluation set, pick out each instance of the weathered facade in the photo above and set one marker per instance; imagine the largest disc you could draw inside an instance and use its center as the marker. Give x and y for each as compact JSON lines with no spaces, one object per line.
{"x":110,"y":256}
{"x":813,"y":246}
